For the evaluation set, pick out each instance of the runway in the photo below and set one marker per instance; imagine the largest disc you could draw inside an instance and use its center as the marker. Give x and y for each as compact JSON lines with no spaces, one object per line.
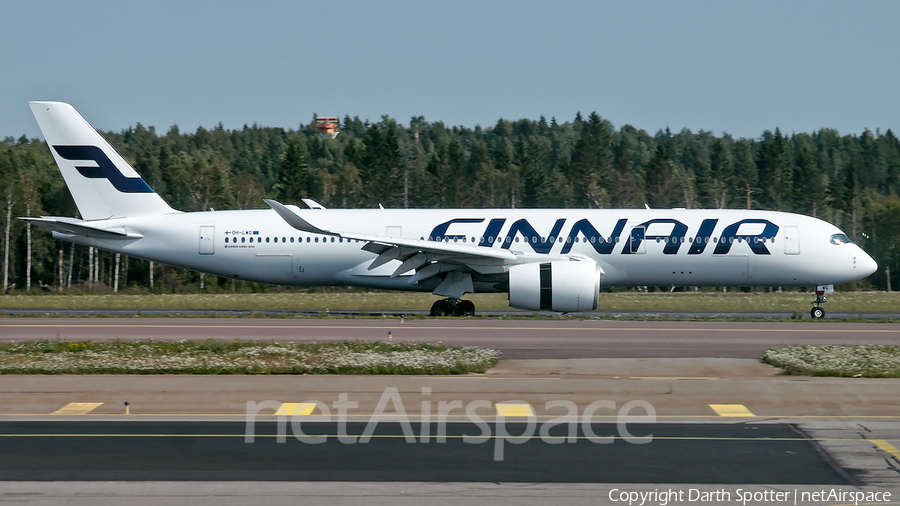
{"x":723,"y":419}
{"x":516,"y":339}
{"x":203,"y":451}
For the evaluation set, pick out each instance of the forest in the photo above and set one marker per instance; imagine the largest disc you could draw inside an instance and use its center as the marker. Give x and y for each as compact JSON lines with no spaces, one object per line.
{"x":851,"y":180}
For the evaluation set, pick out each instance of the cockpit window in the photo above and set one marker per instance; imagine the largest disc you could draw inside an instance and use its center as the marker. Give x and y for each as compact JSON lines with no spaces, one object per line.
{"x":840,"y":239}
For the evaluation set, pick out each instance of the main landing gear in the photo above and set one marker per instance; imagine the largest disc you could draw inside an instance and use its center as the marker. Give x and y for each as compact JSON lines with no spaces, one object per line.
{"x":453,"y":307}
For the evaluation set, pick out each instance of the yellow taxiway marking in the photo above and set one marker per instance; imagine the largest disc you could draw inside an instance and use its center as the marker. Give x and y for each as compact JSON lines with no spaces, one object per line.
{"x":238,"y":325}
{"x":77,"y":408}
{"x":731,"y":410}
{"x":292,"y":408}
{"x":884,"y":445}
{"x":508,"y":409}
{"x":673,"y":378}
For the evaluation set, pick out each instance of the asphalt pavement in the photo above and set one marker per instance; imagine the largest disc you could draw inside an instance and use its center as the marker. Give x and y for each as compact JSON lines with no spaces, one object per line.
{"x":515,"y":338}
{"x":677,"y":453}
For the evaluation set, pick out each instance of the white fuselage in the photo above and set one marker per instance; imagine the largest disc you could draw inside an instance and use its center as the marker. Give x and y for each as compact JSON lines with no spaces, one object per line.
{"x":633,"y":247}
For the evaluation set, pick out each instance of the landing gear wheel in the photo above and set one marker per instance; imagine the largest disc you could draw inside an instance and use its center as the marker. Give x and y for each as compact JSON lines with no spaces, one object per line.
{"x":465,"y":308}
{"x":441,"y":308}
{"x":817,"y":313}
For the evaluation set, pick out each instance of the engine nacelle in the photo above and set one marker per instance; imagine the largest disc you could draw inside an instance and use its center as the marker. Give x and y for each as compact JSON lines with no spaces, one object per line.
{"x":562,"y":285}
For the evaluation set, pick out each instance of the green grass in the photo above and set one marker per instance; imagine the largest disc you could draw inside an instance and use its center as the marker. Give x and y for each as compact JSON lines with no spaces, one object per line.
{"x":371,"y":301}
{"x":736,"y":301}
{"x":839,"y":360}
{"x":218,"y":357}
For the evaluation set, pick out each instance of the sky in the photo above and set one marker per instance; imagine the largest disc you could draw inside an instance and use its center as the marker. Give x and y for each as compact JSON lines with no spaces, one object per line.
{"x":735,"y":67}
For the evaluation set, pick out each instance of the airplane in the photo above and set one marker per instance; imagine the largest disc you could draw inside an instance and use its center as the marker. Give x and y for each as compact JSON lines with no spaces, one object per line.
{"x":545,"y":259}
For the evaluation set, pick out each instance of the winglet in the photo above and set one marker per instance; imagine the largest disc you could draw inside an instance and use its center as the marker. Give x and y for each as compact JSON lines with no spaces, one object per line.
{"x":294,"y":220}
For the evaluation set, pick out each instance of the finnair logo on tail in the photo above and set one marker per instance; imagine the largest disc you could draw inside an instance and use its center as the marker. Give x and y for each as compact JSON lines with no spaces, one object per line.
{"x":105,"y":169}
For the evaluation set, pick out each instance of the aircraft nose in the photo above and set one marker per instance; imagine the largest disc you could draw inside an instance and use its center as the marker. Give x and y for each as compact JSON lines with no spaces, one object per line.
{"x":865,"y":264}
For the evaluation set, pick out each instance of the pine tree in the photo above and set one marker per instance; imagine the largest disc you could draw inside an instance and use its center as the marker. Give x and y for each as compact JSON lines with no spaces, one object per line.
{"x":456,"y":166}
{"x":851,"y":197}
{"x":721,"y":189}
{"x":809,"y":183}
{"x":746,"y":173}
{"x":775,"y":169}
{"x":591,"y":172}
{"x":658,"y":179}
{"x":626,"y":190}
{"x":293,"y":181}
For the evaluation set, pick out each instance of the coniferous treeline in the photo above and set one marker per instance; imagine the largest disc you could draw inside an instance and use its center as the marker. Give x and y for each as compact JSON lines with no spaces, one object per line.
{"x":851,"y":180}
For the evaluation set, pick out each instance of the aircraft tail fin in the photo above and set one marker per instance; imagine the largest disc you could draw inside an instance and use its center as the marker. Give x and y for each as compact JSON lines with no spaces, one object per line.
{"x":102,"y":183}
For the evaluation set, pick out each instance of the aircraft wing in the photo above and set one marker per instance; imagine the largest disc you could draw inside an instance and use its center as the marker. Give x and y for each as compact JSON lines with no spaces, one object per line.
{"x":428,"y":258}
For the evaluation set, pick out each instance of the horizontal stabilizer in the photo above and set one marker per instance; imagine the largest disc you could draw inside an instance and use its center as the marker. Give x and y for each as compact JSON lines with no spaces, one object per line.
{"x":72,"y":226}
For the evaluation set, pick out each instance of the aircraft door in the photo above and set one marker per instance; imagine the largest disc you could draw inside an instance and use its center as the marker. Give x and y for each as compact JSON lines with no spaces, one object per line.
{"x":791,"y":240}
{"x":207,"y":236}
{"x":636,"y":240}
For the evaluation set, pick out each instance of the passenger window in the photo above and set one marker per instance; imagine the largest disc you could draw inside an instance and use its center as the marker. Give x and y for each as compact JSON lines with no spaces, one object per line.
{"x":292,"y":239}
{"x":243,"y":239}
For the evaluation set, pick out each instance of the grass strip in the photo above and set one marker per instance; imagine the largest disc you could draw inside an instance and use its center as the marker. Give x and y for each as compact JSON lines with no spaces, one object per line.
{"x":789,"y":302}
{"x":837,"y":360}
{"x":218,"y":357}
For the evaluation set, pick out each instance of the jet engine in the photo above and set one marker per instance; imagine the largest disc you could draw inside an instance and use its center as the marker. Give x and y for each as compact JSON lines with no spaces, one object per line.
{"x":561,"y":285}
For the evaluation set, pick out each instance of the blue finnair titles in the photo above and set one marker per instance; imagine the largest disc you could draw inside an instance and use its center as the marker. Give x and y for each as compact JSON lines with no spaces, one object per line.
{"x":584,"y":231}
{"x":548,"y":259}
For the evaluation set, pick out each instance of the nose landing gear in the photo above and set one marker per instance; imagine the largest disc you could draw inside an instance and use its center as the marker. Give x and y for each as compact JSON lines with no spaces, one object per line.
{"x":453,"y":307}
{"x":817,"y":312}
